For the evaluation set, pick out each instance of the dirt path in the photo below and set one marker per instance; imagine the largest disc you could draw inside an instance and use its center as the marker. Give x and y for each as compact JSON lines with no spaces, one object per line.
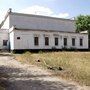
{"x":29,"y":77}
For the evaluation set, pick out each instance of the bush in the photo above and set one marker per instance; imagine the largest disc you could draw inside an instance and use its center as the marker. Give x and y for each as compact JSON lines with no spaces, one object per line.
{"x":40,"y":52}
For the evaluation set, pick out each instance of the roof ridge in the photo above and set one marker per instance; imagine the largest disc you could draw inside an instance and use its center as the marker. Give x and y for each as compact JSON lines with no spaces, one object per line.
{"x":41,"y":16}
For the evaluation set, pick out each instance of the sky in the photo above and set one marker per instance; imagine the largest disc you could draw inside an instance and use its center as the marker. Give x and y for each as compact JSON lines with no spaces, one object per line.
{"x":54,"y":8}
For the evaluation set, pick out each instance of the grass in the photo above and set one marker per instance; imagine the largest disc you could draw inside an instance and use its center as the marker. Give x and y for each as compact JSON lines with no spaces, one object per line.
{"x":69,"y":65}
{"x":1,"y":88}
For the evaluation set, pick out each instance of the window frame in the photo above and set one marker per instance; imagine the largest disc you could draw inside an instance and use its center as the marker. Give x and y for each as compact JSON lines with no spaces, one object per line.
{"x":5,"y":42}
{"x":73,"y":43}
{"x":46,"y":41}
{"x":36,"y":41}
{"x":81,"y":42}
{"x":65,"y":43}
{"x":56,"y":41}
{"x":18,"y":38}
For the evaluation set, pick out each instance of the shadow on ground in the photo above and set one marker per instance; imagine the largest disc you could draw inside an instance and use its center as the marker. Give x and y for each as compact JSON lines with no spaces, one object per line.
{"x":19,"y":79}
{"x":5,"y":54}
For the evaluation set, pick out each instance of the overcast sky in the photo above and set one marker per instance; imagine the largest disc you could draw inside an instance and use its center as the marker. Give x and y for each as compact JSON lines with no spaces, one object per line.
{"x":56,"y":8}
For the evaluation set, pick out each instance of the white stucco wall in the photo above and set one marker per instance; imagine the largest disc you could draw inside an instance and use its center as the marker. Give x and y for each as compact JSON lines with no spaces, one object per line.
{"x":6,"y":24}
{"x":4,"y":36}
{"x":25,"y":21}
{"x":11,"y":38}
{"x":27,"y":39}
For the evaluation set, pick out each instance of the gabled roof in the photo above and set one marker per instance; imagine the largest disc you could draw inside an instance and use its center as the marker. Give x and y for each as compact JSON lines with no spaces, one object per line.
{"x":29,"y":15}
{"x":8,"y":12}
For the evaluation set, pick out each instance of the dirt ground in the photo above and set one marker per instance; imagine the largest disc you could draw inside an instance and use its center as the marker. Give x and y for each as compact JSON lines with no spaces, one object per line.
{"x":30,"y":77}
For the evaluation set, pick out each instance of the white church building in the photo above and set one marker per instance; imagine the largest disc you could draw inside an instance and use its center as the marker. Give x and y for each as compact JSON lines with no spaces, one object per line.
{"x":20,"y":31}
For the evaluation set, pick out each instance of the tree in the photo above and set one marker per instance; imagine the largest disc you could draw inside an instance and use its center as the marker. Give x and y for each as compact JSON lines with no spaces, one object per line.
{"x":83,"y":24}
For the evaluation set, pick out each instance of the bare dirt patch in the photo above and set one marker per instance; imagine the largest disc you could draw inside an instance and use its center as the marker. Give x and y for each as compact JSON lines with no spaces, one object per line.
{"x":30,"y":77}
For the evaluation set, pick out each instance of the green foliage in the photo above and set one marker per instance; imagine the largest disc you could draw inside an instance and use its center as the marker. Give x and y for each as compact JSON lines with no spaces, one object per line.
{"x":83,"y":23}
{"x":40,"y":52}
